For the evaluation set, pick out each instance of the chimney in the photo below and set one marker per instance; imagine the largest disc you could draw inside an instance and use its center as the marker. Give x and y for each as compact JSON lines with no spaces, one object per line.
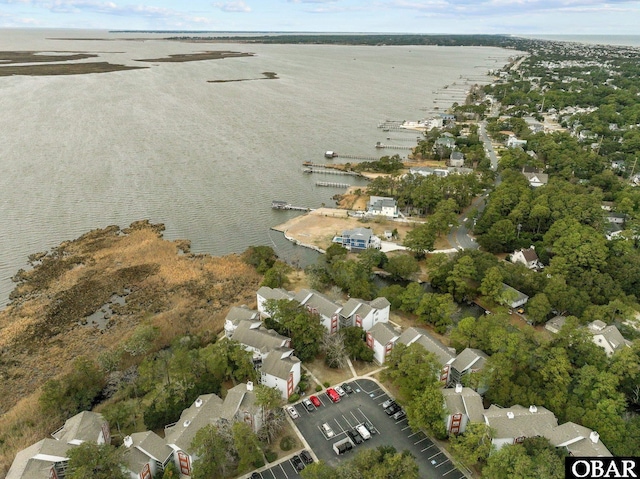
{"x":533,"y":409}
{"x":458,"y":388}
{"x":510,"y":415}
{"x":249,"y":385}
{"x":198,"y":402}
{"x":594,"y":436}
{"x":128,"y":442}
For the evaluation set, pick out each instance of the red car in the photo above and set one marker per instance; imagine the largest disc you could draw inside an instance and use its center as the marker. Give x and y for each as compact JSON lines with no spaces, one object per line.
{"x":316,"y":402}
{"x":333,"y":395}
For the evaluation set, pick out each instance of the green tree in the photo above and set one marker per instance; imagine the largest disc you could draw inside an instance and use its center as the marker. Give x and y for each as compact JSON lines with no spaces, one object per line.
{"x":211,"y":446}
{"x":411,"y":297}
{"x":538,"y":308}
{"x":421,"y":239}
{"x":533,"y":459}
{"x":436,"y":309}
{"x":260,"y":257}
{"x":355,"y":344}
{"x":426,"y":410}
{"x":318,"y":470}
{"x":491,"y":285}
{"x":412,"y":369}
{"x":473,"y":446}
{"x":247,"y":447}
{"x":460,"y":283}
{"x":276,"y":276}
{"x":101,"y":461}
{"x":402,"y":266}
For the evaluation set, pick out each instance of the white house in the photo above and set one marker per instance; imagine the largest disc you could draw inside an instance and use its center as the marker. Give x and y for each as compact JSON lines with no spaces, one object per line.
{"x":257,"y":339}
{"x":281,"y":369}
{"x":608,"y":338}
{"x":358,"y":239}
{"x":444,"y":354}
{"x":382,"y":206}
{"x":555,"y":324}
{"x":364,"y":314}
{"x":317,"y":303}
{"x":381,"y":338}
{"x":528,"y":257}
{"x":463,"y":405}
{"x":265,"y":293}
{"x":514,"y":142}
{"x":515,"y":297}
{"x":47,"y":459}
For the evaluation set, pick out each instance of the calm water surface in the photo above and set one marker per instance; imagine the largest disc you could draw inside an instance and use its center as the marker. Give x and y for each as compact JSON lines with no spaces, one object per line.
{"x":80,"y":152}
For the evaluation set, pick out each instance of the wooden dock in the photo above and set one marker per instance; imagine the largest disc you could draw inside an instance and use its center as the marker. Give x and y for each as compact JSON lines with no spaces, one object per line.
{"x":394,"y":147}
{"x":283,"y":205}
{"x":329,"y":171}
{"x":331,"y":184}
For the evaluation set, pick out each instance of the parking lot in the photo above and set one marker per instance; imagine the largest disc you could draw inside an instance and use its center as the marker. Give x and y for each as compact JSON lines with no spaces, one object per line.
{"x":364,"y":404}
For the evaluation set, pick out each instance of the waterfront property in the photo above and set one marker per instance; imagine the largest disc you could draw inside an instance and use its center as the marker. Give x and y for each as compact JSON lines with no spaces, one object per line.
{"x":358,"y":239}
{"x":382,"y":206}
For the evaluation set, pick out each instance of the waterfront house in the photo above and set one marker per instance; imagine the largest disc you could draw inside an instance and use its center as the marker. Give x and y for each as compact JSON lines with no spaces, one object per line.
{"x":236,"y":315}
{"x":358,"y":239}
{"x":381,"y":338}
{"x":463,"y":406}
{"x":265,"y":293}
{"x":428,"y":171}
{"x":364,"y":314}
{"x":382,"y":206}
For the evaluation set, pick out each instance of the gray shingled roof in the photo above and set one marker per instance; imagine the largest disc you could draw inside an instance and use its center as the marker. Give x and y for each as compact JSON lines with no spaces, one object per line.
{"x":241,"y":313}
{"x":469,"y":358}
{"x":26,"y":467}
{"x":614,"y":337}
{"x":380,"y":303}
{"x":354,"y":306}
{"x":277,"y":365}
{"x":84,"y":426}
{"x":321,"y":303}
{"x":135,"y":459}
{"x":259,"y":337}
{"x":152,"y":444}
{"x":383,"y":333}
{"x":518,"y":295}
{"x":467,"y":401}
{"x":556,"y":323}
{"x":422,"y":337}
{"x":271,"y":293}
{"x":524,"y":423}
{"x":192,"y":420}
{"x":577,"y":439}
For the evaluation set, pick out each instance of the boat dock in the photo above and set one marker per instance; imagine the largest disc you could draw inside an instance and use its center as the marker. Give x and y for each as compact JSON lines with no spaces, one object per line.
{"x":332,"y":184}
{"x":283,"y":205}
{"x":394,"y":147}
{"x":329,"y":171}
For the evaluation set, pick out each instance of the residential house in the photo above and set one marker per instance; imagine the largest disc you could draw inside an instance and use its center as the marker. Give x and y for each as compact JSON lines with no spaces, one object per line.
{"x":456,"y":159}
{"x":555,"y":324}
{"x":463,"y":406}
{"x":240,"y":406}
{"x":382,"y":206}
{"x":616,"y":218}
{"x":579,"y":441}
{"x":469,"y":361}
{"x":265,"y":293}
{"x":528,"y":257}
{"x":146,"y":454}
{"x":381,"y":338}
{"x":364,"y":314}
{"x":513,"y":425}
{"x":358,"y":239}
{"x":236,"y":315}
{"x":514,"y":142}
{"x":534,"y":125}
{"x":444,"y":354}
{"x":513,"y":297}
{"x":258,"y":339}
{"x":47,"y":459}
{"x":281,"y":369}
{"x":535,"y":176}
{"x":204,"y":411}
{"x":427,"y":171}
{"x":608,"y":338}
{"x":317,"y":303}
{"x":445,"y":141}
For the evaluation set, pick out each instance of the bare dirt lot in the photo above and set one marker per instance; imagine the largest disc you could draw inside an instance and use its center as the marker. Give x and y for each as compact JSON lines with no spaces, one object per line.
{"x":317,"y":228}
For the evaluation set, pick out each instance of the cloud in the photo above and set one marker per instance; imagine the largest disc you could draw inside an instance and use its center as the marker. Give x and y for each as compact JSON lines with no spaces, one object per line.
{"x":235,"y":6}
{"x":311,"y":1}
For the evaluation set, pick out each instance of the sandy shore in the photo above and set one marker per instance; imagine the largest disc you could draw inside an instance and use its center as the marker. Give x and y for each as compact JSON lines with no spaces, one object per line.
{"x":317,"y":228}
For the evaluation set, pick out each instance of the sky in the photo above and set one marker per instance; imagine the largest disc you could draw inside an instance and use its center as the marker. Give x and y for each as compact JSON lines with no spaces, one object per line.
{"x":577,"y":17}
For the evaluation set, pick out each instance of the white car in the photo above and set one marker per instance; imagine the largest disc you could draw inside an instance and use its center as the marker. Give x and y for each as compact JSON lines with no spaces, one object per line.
{"x":339,"y":390}
{"x":292,"y":412}
{"x":326,"y":429}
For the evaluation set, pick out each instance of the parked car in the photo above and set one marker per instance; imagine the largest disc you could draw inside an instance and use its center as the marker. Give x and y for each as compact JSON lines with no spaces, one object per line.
{"x":372,"y":430}
{"x":326,"y":429}
{"x":308,"y":405}
{"x":394,"y":408}
{"x":256,"y":475}
{"x":520,"y":310}
{"x":388,"y":403}
{"x":339,"y":390}
{"x":297,"y":463}
{"x":306,"y":457}
{"x":348,"y":389}
{"x":355,"y":437}
{"x":333,"y":395}
{"x":399,"y":415}
{"x":292,"y":412}
{"x":316,"y":402}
